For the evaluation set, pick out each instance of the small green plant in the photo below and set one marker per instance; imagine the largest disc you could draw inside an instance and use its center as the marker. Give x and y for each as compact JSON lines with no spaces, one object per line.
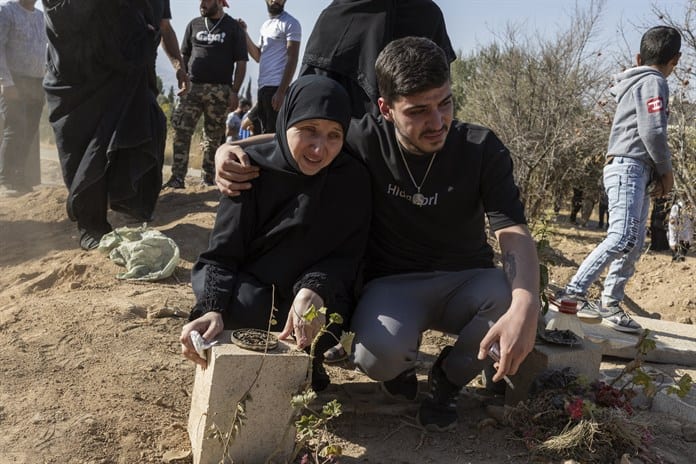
{"x":311,"y":424}
{"x":652,"y":384}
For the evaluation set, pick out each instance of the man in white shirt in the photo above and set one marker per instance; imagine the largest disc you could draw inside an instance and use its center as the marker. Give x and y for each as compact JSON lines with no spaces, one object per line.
{"x":277,"y":54}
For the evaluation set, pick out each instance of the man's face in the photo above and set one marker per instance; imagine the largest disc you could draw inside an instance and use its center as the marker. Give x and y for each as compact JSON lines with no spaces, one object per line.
{"x":421,"y":120}
{"x":210,"y":8}
{"x":275,"y":7}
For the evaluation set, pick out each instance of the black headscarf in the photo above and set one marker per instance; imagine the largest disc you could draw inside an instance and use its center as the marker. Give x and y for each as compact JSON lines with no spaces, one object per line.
{"x":309,"y":97}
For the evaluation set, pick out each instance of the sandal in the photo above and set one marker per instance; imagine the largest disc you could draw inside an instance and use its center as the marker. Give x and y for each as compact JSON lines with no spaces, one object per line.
{"x":335,"y":354}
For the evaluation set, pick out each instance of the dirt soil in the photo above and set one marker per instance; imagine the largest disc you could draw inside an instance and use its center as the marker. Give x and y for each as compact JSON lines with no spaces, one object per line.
{"x":91,"y":372}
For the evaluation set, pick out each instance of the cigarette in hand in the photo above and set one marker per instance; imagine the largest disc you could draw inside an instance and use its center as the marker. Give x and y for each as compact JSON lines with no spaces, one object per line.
{"x":494,"y":354}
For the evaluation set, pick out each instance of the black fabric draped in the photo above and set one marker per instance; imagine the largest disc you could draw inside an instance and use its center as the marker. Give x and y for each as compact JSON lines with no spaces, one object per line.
{"x":349,"y":34}
{"x":109,"y":129}
{"x":290,"y":230}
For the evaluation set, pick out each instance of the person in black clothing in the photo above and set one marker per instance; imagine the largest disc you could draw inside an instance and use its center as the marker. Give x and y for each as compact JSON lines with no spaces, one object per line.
{"x":658,"y":225}
{"x":428,"y":263}
{"x":603,"y":208}
{"x":214,"y":50}
{"x":349,"y":34}
{"x":165,"y":34}
{"x":110,"y":131}
{"x":301,"y":230}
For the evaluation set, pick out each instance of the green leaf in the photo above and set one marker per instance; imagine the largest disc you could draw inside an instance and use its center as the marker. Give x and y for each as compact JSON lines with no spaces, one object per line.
{"x":346,"y":341}
{"x":335,"y":318}
{"x":645,"y":343}
{"x":641,"y":378}
{"x":297,"y":402}
{"x":683,"y":386}
{"x":311,"y":314}
{"x":307,"y":426}
{"x":332,"y":409}
{"x":331,"y":450}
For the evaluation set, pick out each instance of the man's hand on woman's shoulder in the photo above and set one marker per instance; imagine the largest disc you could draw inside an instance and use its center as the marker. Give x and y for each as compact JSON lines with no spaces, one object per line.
{"x":233,"y":172}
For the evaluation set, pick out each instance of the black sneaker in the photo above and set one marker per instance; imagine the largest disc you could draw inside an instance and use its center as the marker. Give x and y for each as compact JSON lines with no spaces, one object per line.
{"x":175,"y":182}
{"x":89,"y":240}
{"x":438,"y":412}
{"x":403,"y":387}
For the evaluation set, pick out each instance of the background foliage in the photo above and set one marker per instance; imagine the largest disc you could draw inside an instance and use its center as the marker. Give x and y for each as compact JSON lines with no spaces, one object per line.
{"x":548,"y":100}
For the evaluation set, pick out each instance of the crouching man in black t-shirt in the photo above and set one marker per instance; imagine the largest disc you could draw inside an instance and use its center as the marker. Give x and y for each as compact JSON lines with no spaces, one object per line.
{"x":428,"y":263}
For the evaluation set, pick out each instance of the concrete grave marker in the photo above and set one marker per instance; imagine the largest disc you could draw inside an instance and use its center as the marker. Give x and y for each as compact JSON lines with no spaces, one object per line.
{"x":219,"y":387}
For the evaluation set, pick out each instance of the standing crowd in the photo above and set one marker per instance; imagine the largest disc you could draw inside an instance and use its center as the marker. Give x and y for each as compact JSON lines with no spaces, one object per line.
{"x":360,"y":192}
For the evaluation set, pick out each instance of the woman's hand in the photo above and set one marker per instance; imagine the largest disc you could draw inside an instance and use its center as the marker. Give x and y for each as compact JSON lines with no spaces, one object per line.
{"x":296,"y":325}
{"x":209,"y":326}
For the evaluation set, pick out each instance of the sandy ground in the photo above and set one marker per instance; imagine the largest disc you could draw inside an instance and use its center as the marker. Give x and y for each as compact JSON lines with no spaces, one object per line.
{"x":91,"y":373}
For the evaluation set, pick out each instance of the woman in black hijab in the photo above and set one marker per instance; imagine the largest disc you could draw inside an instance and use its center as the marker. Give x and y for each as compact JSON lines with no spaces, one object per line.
{"x":297,"y":237}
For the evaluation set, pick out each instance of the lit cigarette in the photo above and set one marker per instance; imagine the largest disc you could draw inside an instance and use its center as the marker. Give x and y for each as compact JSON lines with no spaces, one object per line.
{"x":494,"y":354}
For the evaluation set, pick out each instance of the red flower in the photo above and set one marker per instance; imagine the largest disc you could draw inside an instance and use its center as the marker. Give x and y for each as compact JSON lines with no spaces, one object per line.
{"x":574,"y":408}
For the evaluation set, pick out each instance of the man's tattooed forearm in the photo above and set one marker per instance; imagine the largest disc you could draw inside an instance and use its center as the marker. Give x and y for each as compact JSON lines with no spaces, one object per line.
{"x":510,"y":266}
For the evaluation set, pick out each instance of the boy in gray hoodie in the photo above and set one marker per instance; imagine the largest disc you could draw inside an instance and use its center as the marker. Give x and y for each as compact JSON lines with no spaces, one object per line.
{"x":638,"y":166}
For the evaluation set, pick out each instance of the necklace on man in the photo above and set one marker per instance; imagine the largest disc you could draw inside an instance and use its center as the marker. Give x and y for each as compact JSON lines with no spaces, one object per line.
{"x":211,"y":29}
{"x":418,"y":198}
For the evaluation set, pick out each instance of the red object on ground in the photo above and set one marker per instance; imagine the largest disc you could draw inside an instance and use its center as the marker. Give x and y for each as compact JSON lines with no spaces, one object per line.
{"x":568,"y":307}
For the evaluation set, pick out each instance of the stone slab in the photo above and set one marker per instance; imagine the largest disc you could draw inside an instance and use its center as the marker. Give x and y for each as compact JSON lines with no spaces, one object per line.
{"x":675,"y":342}
{"x":218,"y":389}
{"x":584,"y":359}
{"x":676,"y":407}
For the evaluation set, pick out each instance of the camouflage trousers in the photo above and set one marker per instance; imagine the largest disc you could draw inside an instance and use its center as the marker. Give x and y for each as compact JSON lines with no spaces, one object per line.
{"x":211,"y":101}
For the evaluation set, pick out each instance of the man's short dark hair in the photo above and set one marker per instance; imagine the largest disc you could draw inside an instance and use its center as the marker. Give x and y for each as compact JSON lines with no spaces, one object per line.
{"x":244,"y":102}
{"x":659,"y":45}
{"x":410,"y":65}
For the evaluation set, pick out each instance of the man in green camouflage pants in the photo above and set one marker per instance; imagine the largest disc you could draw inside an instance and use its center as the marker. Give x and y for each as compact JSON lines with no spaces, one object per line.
{"x":210,"y":100}
{"x":214,"y":51}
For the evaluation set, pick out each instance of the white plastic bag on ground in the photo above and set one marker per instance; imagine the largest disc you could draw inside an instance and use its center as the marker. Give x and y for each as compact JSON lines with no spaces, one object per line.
{"x":147,"y":254}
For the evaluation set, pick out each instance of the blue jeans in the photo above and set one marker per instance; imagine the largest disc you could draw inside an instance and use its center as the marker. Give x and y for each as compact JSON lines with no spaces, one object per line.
{"x":625,"y":181}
